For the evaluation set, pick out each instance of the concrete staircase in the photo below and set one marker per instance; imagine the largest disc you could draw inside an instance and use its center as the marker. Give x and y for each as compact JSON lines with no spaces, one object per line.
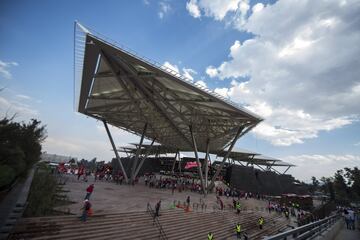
{"x":177,"y":224}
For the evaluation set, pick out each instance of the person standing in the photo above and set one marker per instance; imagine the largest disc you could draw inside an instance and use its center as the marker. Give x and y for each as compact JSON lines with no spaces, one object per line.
{"x":85,"y":208}
{"x":238,"y":230}
{"x":157,"y":209}
{"x":261,"y":222}
{"x":238,"y":207}
{"x":188,"y":201}
{"x":89,"y":191}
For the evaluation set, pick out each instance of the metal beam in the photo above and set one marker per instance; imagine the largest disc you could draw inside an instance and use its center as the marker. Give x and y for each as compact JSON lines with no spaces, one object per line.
{"x":137,"y":154}
{"x":276,"y":171}
{"x":225,"y":157}
{"x":149,"y":96}
{"x":287,"y":169}
{"x":206,"y":165}
{"x":115,"y":151}
{"x":197,"y":158}
{"x":144,"y":158}
{"x":173,"y":166}
{"x":259,"y":167}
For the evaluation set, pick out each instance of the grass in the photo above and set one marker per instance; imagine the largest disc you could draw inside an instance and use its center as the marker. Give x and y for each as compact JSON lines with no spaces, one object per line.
{"x":45,"y":194}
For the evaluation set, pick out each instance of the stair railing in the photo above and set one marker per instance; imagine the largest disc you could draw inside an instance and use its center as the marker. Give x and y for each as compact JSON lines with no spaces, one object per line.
{"x":162,"y":234}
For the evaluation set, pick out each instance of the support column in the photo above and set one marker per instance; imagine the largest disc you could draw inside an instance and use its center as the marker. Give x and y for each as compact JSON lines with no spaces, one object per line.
{"x":115,"y":151}
{"x":179,"y":163}
{"x":144,"y":158}
{"x":137,"y":154}
{"x":197,"y":159}
{"x":287,"y":169}
{"x":173,"y":166}
{"x":212,"y":184}
{"x":206,"y":165}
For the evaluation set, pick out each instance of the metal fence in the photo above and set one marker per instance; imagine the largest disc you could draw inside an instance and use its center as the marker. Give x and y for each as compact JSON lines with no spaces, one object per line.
{"x":307,"y":231}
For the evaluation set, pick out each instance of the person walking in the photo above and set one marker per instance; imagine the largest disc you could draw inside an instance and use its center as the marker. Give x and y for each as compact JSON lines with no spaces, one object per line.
{"x":89,"y":191}
{"x":210,"y":236}
{"x":188,"y":201}
{"x":238,"y":230}
{"x":157,"y":209}
{"x":261,"y":222}
{"x":238,"y":207}
{"x":85,"y":208}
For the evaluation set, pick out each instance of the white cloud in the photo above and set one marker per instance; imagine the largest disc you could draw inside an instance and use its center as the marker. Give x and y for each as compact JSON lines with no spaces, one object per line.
{"x":218,"y":9}
{"x":257,"y":7}
{"x":171,"y":66}
{"x":193,"y":8}
{"x":299,"y":74}
{"x":146,"y":2}
{"x":211,"y":71}
{"x":186,"y":72}
{"x":4,"y":69}
{"x":164,"y":8}
{"x":357,"y":144}
{"x":222,"y":91}
{"x":320,"y":165}
{"x":25,"y":97}
{"x":10,"y":107}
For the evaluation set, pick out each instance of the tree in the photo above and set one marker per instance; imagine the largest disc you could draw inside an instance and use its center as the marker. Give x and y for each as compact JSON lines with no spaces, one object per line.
{"x":20,"y":147}
{"x":315,"y":184}
{"x":353,"y":177}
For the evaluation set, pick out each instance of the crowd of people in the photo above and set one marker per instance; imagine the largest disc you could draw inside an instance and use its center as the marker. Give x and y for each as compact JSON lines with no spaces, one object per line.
{"x":188,"y":183}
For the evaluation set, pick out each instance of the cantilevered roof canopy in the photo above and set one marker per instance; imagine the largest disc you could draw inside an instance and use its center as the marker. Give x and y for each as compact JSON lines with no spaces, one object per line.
{"x":129,"y":92}
{"x":263,"y":160}
{"x":154,"y":149}
{"x":237,"y":154}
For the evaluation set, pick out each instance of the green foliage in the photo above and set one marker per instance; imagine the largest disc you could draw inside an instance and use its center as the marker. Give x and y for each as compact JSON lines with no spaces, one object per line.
{"x":344,"y":187}
{"x":41,"y":200}
{"x":20,"y":144}
{"x":7,"y":175}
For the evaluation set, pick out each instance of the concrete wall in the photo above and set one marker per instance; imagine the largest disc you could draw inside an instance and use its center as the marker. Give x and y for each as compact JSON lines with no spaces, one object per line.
{"x":255,"y":180}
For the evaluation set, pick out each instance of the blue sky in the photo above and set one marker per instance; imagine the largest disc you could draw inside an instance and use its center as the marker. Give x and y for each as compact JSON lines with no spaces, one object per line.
{"x":286,"y":61}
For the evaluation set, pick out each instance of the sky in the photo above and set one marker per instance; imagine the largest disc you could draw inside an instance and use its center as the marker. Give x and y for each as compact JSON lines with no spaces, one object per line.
{"x":294,"y":62}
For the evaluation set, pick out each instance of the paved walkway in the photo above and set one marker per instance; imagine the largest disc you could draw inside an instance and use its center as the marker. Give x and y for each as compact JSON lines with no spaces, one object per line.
{"x":346,"y":234}
{"x":108,"y":197}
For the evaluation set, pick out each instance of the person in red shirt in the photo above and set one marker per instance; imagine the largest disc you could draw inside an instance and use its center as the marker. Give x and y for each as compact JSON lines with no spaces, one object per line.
{"x":89,"y":191}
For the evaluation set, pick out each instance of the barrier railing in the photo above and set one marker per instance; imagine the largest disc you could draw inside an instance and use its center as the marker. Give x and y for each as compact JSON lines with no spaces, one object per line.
{"x":162,"y":234}
{"x":309,"y":230}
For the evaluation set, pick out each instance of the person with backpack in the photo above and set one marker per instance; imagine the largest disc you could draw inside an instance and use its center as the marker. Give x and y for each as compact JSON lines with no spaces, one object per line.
{"x":85,"y":208}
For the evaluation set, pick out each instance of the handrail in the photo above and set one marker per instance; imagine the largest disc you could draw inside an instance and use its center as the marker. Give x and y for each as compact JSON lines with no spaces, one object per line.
{"x":162,"y":234}
{"x":311,"y":229}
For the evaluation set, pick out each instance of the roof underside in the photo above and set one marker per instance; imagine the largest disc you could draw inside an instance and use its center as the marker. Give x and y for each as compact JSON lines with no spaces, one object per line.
{"x":128,"y":92}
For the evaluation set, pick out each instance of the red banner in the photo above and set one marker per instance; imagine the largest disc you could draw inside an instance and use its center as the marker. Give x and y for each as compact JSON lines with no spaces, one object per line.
{"x":190,"y":165}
